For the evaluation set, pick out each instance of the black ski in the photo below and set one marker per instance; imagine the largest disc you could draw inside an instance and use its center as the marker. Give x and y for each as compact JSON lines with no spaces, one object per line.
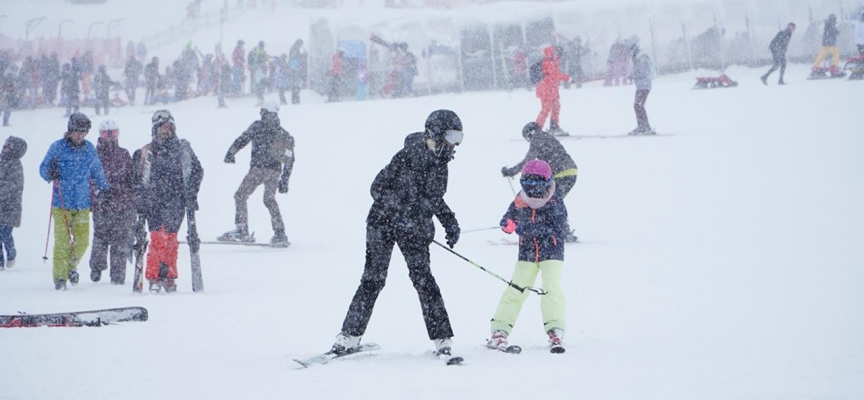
{"x":76,"y":318}
{"x":194,"y":245}
{"x":325,"y":358}
{"x":140,"y":248}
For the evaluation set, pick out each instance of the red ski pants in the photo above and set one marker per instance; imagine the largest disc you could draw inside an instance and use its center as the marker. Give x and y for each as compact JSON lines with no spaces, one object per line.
{"x":549,"y":105}
{"x":163,"y":250}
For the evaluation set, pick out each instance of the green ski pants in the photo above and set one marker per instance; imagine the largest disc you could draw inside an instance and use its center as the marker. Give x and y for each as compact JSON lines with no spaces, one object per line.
{"x":66,"y":257}
{"x":552,"y":305}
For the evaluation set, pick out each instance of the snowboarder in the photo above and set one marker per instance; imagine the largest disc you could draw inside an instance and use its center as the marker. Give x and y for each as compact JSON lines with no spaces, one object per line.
{"x":538,"y":216}
{"x":113,"y":209}
{"x":73,"y":165}
{"x":11,"y":190}
{"x":643,"y":74}
{"x":272,"y":163}
{"x":166,"y":178}
{"x":564,"y":171}
{"x":547,"y":91}
{"x":829,"y":45}
{"x":407,"y":193}
{"x":778,"y":48}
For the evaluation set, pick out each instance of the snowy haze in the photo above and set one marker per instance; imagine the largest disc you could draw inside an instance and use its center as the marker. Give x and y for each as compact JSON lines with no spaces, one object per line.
{"x":721,"y":261}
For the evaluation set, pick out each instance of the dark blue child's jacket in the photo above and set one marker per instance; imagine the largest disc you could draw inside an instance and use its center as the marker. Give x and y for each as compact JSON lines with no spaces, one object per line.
{"x":540,"y":226}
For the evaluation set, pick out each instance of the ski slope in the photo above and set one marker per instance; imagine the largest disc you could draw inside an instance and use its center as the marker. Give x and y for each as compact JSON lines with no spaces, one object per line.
{"x":721,"y":262}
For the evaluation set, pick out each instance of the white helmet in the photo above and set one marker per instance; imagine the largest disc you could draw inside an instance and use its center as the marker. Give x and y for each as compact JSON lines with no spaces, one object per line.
{"x":108,"y":125}
{"x":270,"y":106}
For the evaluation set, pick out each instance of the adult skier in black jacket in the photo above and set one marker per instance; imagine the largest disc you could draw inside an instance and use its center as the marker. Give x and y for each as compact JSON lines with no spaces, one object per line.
{"x":778,"y":48}
{"x":407,"y":193}
{"x":546,"y":147}
{"x":272,"y":147}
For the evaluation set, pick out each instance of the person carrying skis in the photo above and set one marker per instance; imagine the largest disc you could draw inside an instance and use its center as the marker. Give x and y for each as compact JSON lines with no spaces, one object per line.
{"x":73,"y":165}
{"x":538,"y":216}
{"x":643,"y":74}
{"x":829,"y":45}
{"x":271,"y":165}
{"x":407,"y":193}
{"x":113,"y":209}
{"x":166,"y":177}
{"x":778,"y":48}
{"x":564,"y":171}
{"x":547,"y":91}
{"x":11,"y":190}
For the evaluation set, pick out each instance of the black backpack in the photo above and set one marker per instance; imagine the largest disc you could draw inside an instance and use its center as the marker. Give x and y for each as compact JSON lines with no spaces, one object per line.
{"x":535,"y":73}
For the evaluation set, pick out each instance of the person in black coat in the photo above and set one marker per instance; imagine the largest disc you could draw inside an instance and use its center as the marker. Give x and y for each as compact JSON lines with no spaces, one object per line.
{"x":546,"y":147}
{"x":101,"y":87}
{"x":778,"y":48}
{"x":407,"y":193}
{"x":71,"y":90}
{"x":166,"y":177}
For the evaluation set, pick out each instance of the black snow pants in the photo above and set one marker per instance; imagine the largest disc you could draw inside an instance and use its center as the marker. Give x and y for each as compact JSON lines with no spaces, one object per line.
{"x":779,"y":62}
{"x":379,"y":247}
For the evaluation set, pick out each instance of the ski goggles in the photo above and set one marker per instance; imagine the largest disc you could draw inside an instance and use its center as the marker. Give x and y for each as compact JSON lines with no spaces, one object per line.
{"x":109,"y":133}
{"x":161,"y":117}
{"x":534,"y":181}
{"x":453,"y":137}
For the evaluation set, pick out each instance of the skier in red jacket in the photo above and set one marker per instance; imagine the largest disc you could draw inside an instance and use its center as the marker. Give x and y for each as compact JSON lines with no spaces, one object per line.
{"x":547,"y":91}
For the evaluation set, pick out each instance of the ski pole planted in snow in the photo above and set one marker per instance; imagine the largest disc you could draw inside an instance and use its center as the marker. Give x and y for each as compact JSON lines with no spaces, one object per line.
{"x":50,"y":217}
{"x":513,"y":285}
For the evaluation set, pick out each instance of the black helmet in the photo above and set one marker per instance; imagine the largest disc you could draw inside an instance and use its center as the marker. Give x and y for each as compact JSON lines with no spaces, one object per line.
{"x":78,"y":122}
{"x":440,"y":122}
{"x":530,"y":129}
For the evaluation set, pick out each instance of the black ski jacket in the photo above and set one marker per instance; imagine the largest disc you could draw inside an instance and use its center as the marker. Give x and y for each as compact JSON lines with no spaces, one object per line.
{"x":166,"y":177}
{"x":272,"y":146}
{"x":829,"y":35}
{"x":410,"y":190}
{"x":545,"y":147}
{"x":780,"y":42}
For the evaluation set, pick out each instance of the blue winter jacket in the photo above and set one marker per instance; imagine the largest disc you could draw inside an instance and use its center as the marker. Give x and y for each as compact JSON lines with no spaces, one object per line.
{"x":78,"y":167}
{"x":540,"y":229}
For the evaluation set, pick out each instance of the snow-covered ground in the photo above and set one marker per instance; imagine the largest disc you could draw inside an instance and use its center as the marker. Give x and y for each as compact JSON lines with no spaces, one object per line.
{"x":723,"y":262}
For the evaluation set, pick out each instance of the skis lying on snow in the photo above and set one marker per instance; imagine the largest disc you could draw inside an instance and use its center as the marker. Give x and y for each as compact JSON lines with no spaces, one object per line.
{"x":241,"y":244}
{"x":512,"y":242}
{"x":330,"y":356}
{"x":76,"y":318}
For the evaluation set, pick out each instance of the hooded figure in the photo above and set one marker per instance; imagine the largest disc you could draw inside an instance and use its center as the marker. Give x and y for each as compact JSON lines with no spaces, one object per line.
{"x":11,"y":190}
{"x":113,"y":209}
{"x":166,"y":177}
{"x":547,"y":91}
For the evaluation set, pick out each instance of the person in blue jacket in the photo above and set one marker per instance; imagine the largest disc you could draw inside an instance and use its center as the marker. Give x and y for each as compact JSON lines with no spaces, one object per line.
{"x":72,"y":164}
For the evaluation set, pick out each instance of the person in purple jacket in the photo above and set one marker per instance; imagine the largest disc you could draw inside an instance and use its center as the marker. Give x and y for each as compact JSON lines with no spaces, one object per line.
{"x":72,"y":165}
{"x":113,"y":209}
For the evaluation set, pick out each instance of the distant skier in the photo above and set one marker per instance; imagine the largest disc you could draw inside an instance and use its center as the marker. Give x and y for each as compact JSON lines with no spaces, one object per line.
{"x":11,"y":190}
{"x":336,"y":71}
{"x":101,"y":87}
{"x":547,"y":91}
{"x":272,"y":163}
{"x":166,"y":178}
{"x":73,"y":165}
{"x":113,"y":209}
{"x":70,"y":90}
{"x":564,"y":171}
{"x":859,"y":35}
{"x":407,"y":193}
{"x":539,"y":217}
{"x":778,"y":48}
{"x":643,"y":74}
{"x":829,"y":45}
{"x":131,"y":73}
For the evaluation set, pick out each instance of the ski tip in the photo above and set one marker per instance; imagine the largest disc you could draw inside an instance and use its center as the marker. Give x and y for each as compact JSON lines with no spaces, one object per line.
{"x":302,"y":364}
{"x":557,"y":350}
{"x":513,"y":349}
{"x":455,"y":360}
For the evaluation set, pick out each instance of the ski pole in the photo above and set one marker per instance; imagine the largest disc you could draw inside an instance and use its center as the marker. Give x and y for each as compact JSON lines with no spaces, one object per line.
{"x":48,"y":235}
{"x":481,"y":229}
{"x":510,"y":181}
{"x":521,"y":289}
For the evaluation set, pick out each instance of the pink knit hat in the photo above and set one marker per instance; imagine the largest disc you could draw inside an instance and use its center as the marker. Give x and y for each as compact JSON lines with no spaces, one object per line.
{"x":537,"y":167}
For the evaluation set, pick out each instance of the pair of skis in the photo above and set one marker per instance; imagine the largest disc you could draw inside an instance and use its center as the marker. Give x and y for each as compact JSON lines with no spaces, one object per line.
{"x":191,"y":239}
{"x":74,"y":319}
{"x":325,"y":358}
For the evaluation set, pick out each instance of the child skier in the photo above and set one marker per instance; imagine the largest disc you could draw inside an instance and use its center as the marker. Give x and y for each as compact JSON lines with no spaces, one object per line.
{"x":538,"y":217}
{"x":11,"y":188}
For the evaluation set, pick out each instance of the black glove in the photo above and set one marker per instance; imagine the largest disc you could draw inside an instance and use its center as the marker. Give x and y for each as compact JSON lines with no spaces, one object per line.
{"x":452,"y":230}
{"x":283,"y":185}
{"x":229,"y":158}
{"x":192,"y":204}
{"x":53,"y":172}
{"x":506,"y":172}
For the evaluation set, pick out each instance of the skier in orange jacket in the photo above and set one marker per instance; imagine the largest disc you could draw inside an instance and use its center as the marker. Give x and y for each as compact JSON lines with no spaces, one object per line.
{"x":547,"y":91}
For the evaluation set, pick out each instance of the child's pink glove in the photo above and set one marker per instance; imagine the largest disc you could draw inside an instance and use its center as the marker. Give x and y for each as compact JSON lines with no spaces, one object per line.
{"x":510,"y":227}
